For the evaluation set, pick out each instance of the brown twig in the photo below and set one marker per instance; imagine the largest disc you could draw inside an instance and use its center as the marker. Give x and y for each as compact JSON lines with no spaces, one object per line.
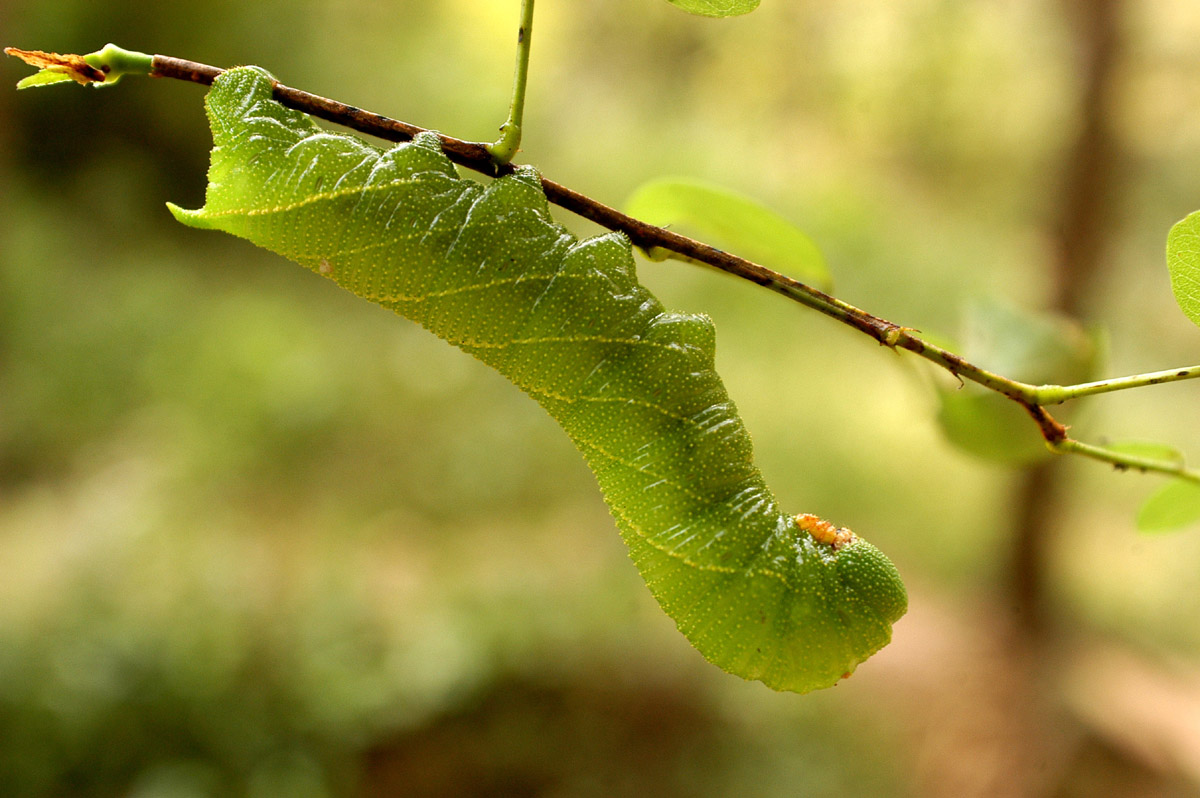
{"x":475,"y":156}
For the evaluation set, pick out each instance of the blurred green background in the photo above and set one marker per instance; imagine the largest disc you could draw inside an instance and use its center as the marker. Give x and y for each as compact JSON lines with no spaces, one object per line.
{"x":258,"y":537}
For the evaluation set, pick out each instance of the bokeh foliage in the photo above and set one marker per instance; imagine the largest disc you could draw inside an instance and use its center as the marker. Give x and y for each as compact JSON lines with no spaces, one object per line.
{"x":236,"y":558}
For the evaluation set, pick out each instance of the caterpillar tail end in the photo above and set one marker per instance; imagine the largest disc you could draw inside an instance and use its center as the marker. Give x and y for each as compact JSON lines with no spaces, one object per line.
{"x":196,"y":218}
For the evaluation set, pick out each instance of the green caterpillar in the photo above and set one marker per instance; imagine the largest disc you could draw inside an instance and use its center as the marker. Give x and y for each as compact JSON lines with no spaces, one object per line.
{"x":789,"y":600}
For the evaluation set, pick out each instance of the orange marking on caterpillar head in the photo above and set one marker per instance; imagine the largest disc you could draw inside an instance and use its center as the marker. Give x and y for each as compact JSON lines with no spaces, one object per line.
{"x":824,"y":532}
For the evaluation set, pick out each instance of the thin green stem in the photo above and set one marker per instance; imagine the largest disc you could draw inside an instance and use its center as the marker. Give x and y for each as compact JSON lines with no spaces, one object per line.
{"x":1057,"y":394}
{"x":504,"y":149}
{"x":1125,"y":461}
{"x":115,"y":62}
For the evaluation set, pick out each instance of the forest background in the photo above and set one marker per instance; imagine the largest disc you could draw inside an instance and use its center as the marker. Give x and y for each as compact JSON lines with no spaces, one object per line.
{"x":257,"y":536}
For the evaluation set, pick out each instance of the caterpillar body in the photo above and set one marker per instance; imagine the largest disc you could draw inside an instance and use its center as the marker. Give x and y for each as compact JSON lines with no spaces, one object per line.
{"x":487,"y":269}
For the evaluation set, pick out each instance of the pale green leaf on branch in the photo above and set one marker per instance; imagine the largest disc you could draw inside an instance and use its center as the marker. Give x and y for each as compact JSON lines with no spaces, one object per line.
{"x":1029,"y":345}
{"x":44,"y":77}
{"x":716,"y":8}
{"x":1033,"y":347}
{"x":1172,"y":507}
{"x":988,"y":426}
{"x":1183,"y":262}
{"x":733,"y":222}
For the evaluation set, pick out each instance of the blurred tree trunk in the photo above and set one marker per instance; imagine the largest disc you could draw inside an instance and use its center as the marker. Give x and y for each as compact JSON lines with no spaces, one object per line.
{"x":1002,"y":731}
{"x":1088,"y":186}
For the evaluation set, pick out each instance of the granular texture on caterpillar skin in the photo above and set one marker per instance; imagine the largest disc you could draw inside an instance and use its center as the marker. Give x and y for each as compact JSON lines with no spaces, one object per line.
{"x":789,"y":600}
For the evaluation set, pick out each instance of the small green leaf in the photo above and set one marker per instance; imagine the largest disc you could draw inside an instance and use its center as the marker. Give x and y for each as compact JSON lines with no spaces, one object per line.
{"x":989,"y":426}
{"x":1033,"y":347}
{"x":716,"y":8}
{"x":1171,"y":507}
{"x":44,"y":77}
{"x":1183,"y":261}
{"x":734,"y":222}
